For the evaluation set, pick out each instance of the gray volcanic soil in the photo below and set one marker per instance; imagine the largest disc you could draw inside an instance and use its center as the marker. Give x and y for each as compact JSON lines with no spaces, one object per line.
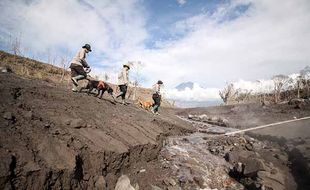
{"x":52,"y":138}
{"x":292,"y":139}
{"x":250,"y":115}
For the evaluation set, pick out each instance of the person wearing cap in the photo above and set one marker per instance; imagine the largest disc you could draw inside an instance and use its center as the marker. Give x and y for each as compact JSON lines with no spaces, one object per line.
{"x":77,"y":66}
{"x":156,"y":97}
{"x":123,"y":81}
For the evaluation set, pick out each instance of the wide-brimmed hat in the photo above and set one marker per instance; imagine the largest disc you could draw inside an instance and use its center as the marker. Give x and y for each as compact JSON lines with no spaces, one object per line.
{"x":87,"y":46}
{"x":126,"y":65}
{"x":160,"y":82}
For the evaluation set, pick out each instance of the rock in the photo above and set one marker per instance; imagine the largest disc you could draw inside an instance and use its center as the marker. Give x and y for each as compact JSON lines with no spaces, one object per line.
{"x":252,"y":166}
{"x":47,"y":125}
{"x":143,"y":170}
{"x":29,"y":115}
{"x":78,"y":123}
{"x":5,"y":69}
{"x":174,"y":188}
{"x":214,"y":118}
{"x":6,"y":160}
{"x":100,"y":183}
{"x":239,"y":167}
{"x":86,"y":177}
{"x":200,"y":181}
{"x":225,"y":122}
{"x":31,"y":167}
{"x":281,"y":157}
{"x":232,"y":157}
{"x":249,"y":147}
{"x":214,"y":130}
{"x":298,"y":103}
{"x":123,"y":183}
{"x":169,"y":181}
{"x":272,"y":181}
{"x":137,"y":187}
{"x":154,"y":187}
{"x":8,"y":116}
{"x":67,"y":122}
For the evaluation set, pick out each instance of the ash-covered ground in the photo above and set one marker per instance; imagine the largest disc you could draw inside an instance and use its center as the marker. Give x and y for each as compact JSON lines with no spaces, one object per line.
{"x":55,"y":139}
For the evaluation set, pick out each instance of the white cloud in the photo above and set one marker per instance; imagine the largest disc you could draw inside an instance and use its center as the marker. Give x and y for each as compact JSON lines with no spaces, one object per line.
{"x":113,"y":28}
{"x":270,"y":38}
{"x":196,"y":94}
{"x":181,"y":2}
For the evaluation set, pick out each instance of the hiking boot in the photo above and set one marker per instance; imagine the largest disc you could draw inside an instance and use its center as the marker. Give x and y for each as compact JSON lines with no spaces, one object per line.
{"x":157,"y":113}
{"x":123,"y":102}
{"x":152,"y":110}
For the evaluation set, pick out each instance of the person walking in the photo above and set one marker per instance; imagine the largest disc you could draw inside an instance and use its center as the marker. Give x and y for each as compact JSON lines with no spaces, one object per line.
{"x":123,"y":81}
{"x":77,"y":66}
{"x":156,"y":97}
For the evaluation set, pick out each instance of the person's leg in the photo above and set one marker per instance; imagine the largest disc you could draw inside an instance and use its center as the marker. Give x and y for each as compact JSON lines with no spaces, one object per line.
{"x":154,"y":109}
{"x":125,"y":91}
{"x":77,"y":73}
{"x":121,"y":88}
{"x":73,"y":74}
{"x":158,"y":103}
{"x":81,"y":73}
{"x":124,"y":94}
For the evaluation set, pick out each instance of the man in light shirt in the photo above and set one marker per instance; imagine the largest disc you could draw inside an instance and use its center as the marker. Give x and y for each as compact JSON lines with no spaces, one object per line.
{"x":77,"y":66}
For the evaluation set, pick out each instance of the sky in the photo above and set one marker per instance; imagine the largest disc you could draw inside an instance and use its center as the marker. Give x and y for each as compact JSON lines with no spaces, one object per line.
{"x":208,"y":42}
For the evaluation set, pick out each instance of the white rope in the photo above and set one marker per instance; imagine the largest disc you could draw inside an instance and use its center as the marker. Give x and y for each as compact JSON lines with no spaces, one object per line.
{"x":264,"y":126}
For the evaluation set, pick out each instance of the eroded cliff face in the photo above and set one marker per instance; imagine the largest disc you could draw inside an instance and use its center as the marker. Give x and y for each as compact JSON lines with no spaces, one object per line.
{"x":52,"y":138}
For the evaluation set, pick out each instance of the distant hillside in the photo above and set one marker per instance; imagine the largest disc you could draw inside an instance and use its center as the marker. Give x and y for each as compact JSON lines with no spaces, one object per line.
{"x":185,"y":85}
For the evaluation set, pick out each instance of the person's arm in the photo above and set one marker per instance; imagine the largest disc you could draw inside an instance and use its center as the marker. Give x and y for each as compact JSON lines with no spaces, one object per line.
{"x":82,"y":57}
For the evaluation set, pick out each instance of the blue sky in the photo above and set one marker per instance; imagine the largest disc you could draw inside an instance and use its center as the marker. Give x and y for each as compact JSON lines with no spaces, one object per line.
{"x":209,"y":42}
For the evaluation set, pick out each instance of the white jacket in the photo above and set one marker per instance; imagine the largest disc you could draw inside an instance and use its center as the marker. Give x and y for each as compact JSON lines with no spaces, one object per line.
{"x":123,"y":78}
{"x":156,"y":88}
{"x":80,"y":58}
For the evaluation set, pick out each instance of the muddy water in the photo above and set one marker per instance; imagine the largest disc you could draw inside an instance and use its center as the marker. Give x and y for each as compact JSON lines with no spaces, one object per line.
{"x":193,"y":165}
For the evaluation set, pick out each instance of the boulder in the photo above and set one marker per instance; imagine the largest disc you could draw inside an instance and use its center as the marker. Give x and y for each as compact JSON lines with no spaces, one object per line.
{"x":297,"y":102}
{"x":100,"y":183}
{"x":78,"y":123}
{"x":272,"y":181}
{"x":5,"y":69}
{"x":252,"y":166}
{"x":200,"y":181}
{"x":8,"y":116}
{"x":123,"y":183}
{"x":169,"y":181}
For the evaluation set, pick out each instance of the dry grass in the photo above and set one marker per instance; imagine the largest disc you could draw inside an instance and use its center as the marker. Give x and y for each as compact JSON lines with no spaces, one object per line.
{"x":31,"y":68}
{"x":34,"y":69}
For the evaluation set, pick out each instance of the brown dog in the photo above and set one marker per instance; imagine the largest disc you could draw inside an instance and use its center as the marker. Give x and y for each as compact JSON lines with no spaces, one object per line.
{"x":145,"y":104}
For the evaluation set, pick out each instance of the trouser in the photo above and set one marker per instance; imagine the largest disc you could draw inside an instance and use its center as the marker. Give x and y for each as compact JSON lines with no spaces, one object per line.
{"x":157,"y":99}
{"x":123,"y":89}
{"x":77,"y":70}
{"x":78,"y":73}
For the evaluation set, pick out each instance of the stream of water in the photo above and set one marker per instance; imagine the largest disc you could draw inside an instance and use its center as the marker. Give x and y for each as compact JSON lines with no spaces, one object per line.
{"x":191,"y":162}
